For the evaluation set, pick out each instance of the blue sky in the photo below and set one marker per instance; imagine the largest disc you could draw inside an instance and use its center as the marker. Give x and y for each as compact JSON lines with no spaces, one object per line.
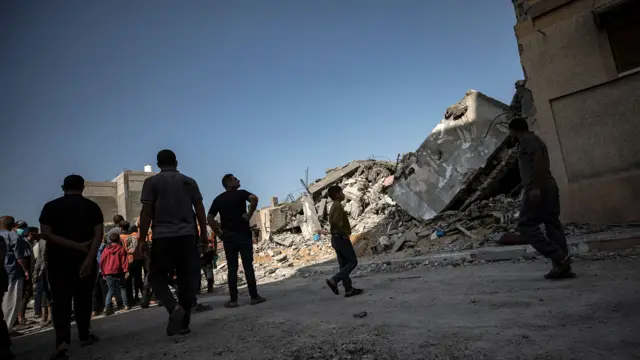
{"x":262,"y":89}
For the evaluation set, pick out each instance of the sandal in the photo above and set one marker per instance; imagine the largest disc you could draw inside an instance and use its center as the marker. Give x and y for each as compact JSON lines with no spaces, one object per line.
{"x":231,"y":304}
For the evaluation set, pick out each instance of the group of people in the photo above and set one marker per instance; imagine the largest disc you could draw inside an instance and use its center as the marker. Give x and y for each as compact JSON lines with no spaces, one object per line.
{"x":22,"y":278}
{"x":77,"y":266}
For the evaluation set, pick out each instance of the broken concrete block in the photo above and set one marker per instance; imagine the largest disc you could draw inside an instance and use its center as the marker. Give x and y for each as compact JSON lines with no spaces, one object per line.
{"x":410,"y":236}
{"x":280,"y":258}
{"x":310,"y":217}
{"x":283,"y":241}
{"x":322,"y":208}
{"x":384,"y":241}
{"x":356,"y":209}
{"x":398,"y":244}
{"x":352,"y":193}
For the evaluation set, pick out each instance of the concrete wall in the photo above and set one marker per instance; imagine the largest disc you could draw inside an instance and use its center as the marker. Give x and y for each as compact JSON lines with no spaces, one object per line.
{"x":104,"y":194}
{"x":587,"y":113}
{"x":120,"y":196}
{"x":449,"y":155}
{"x":135,"y":180}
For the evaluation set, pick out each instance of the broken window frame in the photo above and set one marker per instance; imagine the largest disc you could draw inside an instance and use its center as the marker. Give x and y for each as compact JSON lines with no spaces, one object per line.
{"x":621,"y":21}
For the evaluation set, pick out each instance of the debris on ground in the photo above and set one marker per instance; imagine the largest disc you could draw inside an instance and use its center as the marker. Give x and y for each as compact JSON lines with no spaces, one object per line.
{"x":360,"y":315}
{"x":459,"y":191}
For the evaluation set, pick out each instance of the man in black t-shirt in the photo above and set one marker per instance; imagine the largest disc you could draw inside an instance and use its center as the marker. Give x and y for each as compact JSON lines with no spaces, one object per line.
{"x":235,"y":233}
{"x":73,"y":226}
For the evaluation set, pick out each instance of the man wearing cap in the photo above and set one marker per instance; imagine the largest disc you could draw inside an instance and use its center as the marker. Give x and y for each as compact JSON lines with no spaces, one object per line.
{"x":73,"y":227}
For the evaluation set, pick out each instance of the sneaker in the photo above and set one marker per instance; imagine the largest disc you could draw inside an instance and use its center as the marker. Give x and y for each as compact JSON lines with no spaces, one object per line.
{"x":92,"y":339}
{"x":184,"y":331}
{"x":353,"y":292}
{"x":127,"y":308}
{"x":109,"y":312}
{"x":257,"y":300}
{"x":60,"y":353}
{"x":175,"y":321}
{"x":333,"y":286}
{"x":560,"y":270}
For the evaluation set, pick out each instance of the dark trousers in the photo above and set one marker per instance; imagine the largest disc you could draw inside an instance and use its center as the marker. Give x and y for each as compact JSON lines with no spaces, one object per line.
{"x":5,"y":339}
{"x":134,"y":282}
{"x":207,"y":266}
{"x":99,"y":294}
{"x":235,"y":244}
{"x":69,"y":291}
{"x":346,"y":259}
{"x":544,"y":211}
{"x":37,"y":298}
{"x":27,"y":293}
{"x":178,"y":253}
{"x":116,"y":286}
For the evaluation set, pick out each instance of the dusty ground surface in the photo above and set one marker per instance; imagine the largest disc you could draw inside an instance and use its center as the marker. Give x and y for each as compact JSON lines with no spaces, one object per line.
{"x":490,"y":311}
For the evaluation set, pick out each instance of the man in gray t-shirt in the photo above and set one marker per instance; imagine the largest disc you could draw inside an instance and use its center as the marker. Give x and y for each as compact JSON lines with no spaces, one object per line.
{"x":540,"y":200}
{"x":168,"y":202}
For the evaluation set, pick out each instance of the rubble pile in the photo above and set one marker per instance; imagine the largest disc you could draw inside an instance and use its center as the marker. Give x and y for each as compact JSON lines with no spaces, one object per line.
{"x":372,"y":214}
{"x":459,"y":190}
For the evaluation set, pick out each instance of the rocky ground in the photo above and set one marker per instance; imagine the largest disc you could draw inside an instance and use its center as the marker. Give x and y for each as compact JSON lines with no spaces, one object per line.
{"x":428,"y":311}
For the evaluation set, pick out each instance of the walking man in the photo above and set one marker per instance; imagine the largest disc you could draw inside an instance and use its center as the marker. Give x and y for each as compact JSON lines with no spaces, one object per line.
{"x":17,"y":269}
{"x":235,"y":233}
{"x":73,"y":227}
{"x":168,"y":202}
{"x":540,"y":201}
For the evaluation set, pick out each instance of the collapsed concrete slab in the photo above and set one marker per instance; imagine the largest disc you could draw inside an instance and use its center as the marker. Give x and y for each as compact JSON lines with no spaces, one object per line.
{"x":334,"y":176}
{"x":460,"y":145}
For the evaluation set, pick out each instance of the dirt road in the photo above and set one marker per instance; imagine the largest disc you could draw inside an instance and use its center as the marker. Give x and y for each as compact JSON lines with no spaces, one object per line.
{"x":491,"y":311}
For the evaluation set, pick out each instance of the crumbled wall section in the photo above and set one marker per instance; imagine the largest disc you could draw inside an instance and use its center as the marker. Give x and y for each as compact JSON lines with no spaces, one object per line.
{"x":429,"y":179}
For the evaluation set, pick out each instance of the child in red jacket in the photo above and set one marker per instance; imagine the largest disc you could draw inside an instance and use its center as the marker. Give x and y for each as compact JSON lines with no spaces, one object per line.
{"x":115,"y":269}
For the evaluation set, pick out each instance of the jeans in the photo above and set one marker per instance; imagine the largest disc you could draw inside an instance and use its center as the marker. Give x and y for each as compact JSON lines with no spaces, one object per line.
{"x":37,"y":298}
{"x":346,"y":259}
{"x":70,"y":294}
{"x":134,"y":282}
{"x":242,"y":244}
{"x":11,"y":301}
{"x":116,"y":286}
{"x":99,"y":293}
{"x":179,"y":254}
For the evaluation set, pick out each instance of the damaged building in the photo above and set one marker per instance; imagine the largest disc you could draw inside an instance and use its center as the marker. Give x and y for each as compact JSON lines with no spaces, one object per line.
{"x":462,"y":150}
{"x":581,"y":62}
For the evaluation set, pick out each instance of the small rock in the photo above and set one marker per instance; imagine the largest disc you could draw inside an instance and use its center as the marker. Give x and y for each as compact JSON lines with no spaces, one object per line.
{"x":280,"y":258}
{"x":360,"y":315}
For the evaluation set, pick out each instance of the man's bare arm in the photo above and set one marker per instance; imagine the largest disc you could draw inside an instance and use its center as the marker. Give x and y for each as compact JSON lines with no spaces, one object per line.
{"x":201,"y":215}
{"x":146,"y":214}
{"x":48,"y":235}
{"x":215,"y":226}
{"x":253,"y":204}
